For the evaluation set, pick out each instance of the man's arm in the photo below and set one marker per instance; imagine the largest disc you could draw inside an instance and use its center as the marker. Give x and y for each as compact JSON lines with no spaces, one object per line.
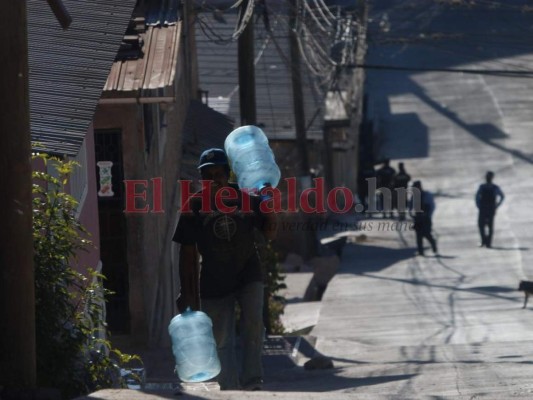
{"x":478,"y":196}
{"x":431,"y":203}
{"x":189,"y":278}
{"x":501,"y":196}
{"x":270,"y":226}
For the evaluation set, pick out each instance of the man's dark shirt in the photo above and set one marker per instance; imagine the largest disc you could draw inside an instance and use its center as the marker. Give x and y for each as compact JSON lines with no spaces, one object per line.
{"x":401,"y":180}
{"x":487,"y":197}
{"x":385,"y":176}
{"x":226,"y":243}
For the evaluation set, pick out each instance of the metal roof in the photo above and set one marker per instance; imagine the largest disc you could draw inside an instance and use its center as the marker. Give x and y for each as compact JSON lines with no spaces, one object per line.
{"x":218,"y":71}
{"x":68,"y":69}
{"x":155,"y":67}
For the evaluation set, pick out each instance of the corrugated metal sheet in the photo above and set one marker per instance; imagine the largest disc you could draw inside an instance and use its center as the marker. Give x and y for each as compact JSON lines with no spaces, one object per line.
{"x":203,"y":128}
{"x":218,"y":68}
{"x":68,"y":69}
{"x":155,"y":69}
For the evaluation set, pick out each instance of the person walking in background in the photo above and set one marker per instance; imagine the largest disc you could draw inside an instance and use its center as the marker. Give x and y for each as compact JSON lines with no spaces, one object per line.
{"x":366,"y":172}
{"x":385,"y":176}
{"x":488,"y":198}
{"x":399,"y":194}
{"x":222,"y":232}
{"x":421,"y":208}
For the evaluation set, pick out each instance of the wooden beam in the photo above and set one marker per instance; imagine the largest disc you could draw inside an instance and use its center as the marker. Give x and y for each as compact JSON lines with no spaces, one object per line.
{"x":17,"y":290}
{"x":61,"y":13}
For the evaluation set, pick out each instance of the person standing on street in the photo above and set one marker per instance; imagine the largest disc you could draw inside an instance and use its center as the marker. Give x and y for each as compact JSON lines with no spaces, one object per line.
{"x":222,"y":232}
{"x":399,"y":194}
{"x":385,"y":177}
{"x":365,"y":173}
{"x":422,"y":215}
{"x":488,"y":198}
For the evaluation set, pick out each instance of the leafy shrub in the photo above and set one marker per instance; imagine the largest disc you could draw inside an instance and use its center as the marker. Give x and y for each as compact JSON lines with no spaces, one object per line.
{"x":73,"y":354}
{"x":275,"y":281}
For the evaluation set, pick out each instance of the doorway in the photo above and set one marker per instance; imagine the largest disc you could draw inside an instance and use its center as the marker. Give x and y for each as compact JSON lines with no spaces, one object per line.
{"x":113,"y":234}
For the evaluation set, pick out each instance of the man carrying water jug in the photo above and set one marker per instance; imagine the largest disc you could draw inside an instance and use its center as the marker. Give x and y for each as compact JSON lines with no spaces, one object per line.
{"x":218,"y":224}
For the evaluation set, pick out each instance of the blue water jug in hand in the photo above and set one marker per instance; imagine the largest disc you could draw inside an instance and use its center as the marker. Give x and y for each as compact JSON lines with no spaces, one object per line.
{"x":251,"y":158}
{"x":194,"y":346}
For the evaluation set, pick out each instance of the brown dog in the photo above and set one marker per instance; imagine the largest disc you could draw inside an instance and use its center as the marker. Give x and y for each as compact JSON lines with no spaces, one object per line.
{"x":527,"y":288}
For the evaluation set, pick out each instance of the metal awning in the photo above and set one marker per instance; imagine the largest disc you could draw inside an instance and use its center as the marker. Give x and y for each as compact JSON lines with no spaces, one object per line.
{"x":152,"y":73}
{"x":68,"y":69}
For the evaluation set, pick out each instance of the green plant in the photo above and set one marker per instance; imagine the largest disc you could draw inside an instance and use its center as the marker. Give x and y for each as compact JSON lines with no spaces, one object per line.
{"x":72,"y":351}
{"x":275,"y":281}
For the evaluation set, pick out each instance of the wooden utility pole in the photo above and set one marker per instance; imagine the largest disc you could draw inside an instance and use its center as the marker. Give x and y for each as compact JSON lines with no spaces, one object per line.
{"x":308,"y":237}
{"x":246,"y":57}
{"x":297,"y":94}
{"x":17,"y":293}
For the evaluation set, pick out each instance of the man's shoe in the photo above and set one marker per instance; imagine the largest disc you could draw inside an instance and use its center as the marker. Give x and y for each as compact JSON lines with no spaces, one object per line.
{"x":253,"y":386}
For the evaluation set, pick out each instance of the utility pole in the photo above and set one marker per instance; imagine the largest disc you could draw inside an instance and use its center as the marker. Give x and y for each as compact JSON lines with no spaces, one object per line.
{"x":297,"y":94}
{"x":190,"y":67}
{"x":17,"y":291}
{"x":246,"y":57}
{"x":17,"y":277}
{"x":308,"y":237}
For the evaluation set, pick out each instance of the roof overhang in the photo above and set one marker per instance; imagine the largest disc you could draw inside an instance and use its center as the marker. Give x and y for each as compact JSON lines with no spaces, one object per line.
{"x":149,"y":78}
{"x":68,"y":68}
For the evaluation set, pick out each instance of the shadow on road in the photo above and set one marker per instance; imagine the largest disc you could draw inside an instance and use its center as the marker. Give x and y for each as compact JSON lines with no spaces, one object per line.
{"x":510,"y":248}
{"x":480,"y":290}
{"x":327,"y":380}
{"x":382,"y":257}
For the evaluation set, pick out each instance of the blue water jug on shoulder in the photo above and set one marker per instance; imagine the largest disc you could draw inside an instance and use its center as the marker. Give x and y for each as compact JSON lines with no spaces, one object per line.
{"x":251,"y":158}
{"x":194,"y":346}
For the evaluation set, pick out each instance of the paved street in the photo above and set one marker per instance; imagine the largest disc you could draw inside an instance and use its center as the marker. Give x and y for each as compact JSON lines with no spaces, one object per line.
{"x":399,"y":326}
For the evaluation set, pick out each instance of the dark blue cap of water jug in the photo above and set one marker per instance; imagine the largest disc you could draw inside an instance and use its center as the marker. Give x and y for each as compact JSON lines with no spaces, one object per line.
{"x":213,"y":157}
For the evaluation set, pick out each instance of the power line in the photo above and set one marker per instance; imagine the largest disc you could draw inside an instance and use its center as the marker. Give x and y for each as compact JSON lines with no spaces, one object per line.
{"x":244,"y":18}
{"x":496,"y":72}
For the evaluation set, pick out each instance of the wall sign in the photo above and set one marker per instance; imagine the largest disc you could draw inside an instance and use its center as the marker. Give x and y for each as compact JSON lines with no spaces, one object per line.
{"x":106,"y":185}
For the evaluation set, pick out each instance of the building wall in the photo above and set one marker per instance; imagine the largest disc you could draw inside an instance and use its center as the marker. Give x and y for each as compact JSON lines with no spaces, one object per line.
{"x":88,"y":214}
{"x":152,"y":274}
{"x":295,"y":230}
{"x":127,"y":119}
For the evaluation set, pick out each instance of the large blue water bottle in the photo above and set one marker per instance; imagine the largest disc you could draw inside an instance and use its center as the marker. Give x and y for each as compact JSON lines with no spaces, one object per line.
{"x":251,"y":158}
{"x":194,"y":346}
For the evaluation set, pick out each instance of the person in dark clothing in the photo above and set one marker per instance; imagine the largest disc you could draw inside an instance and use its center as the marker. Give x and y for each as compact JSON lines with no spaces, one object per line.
{"x":385,"y":176}
{"x":421,"y":207}
{"x":399,"y":194}
{"x":488,"y":198}
{"x":366,"y":173}
{"x":220,"y":228}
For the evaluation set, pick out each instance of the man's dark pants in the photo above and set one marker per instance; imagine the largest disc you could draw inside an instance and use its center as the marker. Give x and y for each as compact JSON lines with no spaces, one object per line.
{"x":423,"y":230}
{"x":486,"y":222}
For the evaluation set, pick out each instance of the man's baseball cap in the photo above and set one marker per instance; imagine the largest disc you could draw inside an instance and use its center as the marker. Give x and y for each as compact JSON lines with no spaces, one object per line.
{"x":213,"y":157}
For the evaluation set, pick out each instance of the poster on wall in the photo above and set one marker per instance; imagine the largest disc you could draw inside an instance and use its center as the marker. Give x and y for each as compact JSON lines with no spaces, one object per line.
{"x":106,"y":184}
